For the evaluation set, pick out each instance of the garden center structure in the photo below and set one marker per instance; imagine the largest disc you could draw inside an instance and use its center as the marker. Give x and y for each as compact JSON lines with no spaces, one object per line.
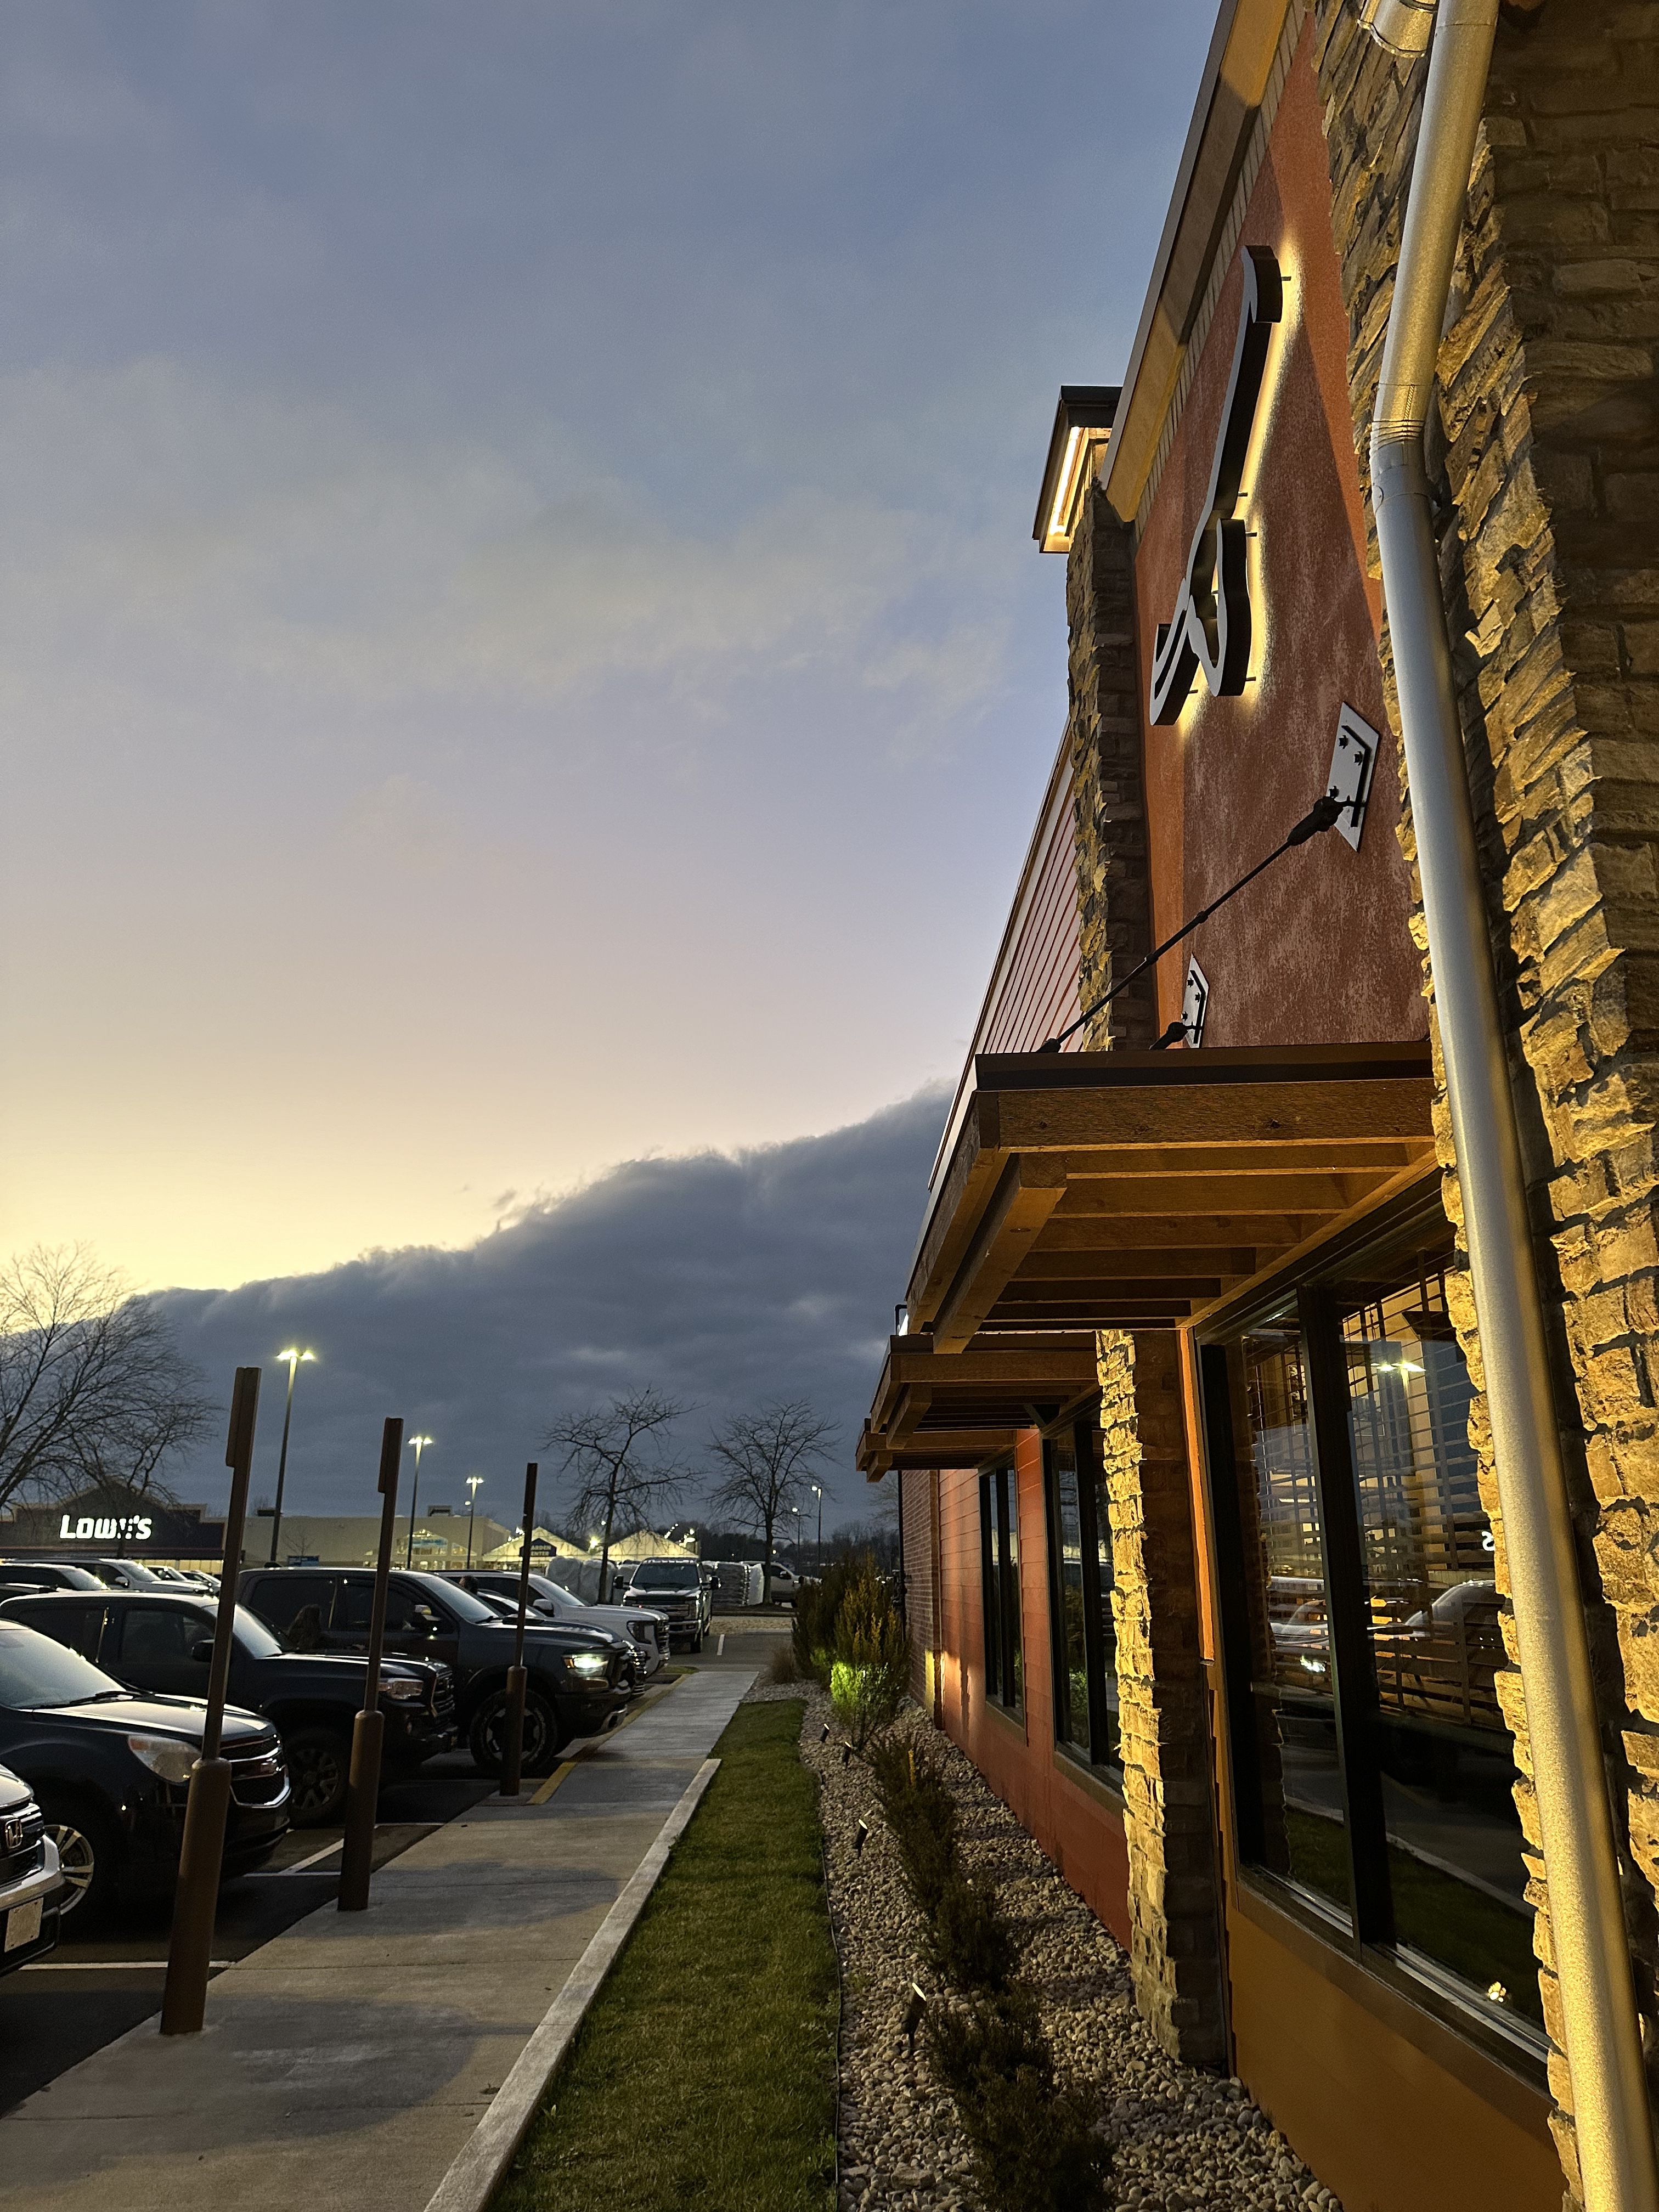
{"x":1276,"y":1399}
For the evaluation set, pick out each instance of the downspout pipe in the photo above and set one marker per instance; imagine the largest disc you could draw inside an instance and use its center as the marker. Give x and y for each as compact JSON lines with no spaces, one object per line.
{"x":1599,"y":2024}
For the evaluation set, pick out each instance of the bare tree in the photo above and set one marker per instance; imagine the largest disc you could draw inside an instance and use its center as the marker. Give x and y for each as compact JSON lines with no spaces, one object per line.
{"x":93,"y":1389}
{"x":616,"y":1455}
{"x":768,"y":1458}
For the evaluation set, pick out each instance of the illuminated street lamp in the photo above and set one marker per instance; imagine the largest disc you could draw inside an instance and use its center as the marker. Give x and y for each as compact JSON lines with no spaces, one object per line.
{"x":295,"y":1359}
{"x":816,"y":1489}
{"x":417,"y":1445}
{"x":473,"y":1483}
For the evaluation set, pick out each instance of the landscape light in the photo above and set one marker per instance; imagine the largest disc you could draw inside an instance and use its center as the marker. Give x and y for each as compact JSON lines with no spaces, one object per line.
{"x":861,"y":1838}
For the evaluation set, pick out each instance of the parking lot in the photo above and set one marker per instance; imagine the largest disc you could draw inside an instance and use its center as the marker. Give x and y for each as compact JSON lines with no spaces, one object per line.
{"x":95,"y":1987}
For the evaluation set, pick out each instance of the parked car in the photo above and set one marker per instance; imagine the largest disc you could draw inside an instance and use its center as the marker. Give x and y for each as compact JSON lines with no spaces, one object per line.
{"x":580,"y":1679}
{"x":157,"y":1642}
{"x":785,"y":1583}
{"x":17,"y":1576}
{"x":111,"y":1772}
{"x":29,"y":1878}
{"x":119,"y":1574}
{"x":674,"y":1586}
{"x":643,"y":1626}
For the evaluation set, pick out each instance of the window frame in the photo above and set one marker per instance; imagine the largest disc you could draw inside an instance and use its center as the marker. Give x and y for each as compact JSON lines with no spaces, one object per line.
{"x":1364,"y":1932}
{"x":1105,"y":1755}
{"x":1001,"y":1611}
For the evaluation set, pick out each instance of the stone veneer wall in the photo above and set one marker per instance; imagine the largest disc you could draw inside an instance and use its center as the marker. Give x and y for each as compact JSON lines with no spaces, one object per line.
{"x":1169,"y":1825}
{"x":1548,"y":442}
{"x":1113,"y":872}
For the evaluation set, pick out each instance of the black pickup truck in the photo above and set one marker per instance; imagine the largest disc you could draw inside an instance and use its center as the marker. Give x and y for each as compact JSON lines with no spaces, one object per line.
{"x":580,"y":1679}
{"x":163,"y":1644}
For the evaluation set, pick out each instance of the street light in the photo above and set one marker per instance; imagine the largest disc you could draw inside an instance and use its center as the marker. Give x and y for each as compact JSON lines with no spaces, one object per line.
{"x":295,"y":1359}
{"x":816,"y":1489}
{"x":472,"y":1484}
{"x":417,"y":1445}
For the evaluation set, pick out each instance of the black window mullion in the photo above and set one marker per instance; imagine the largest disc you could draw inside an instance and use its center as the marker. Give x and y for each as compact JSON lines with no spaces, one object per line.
{"x":1353,"y":1684}
{"x":1057,"y":1654}
{"x":991,"y":1595}
{"x":1010,"y":1586}
{"x":1102,"y":1750}
{"x":1215,"y":1382}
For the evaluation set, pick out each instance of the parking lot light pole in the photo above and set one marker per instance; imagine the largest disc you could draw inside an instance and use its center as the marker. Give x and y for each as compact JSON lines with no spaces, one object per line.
{"x":295,"y":1359}
{"x":417,"y":1445}
{"x":190,"y":1949}
{"x":818,"y":1550}
{"x":473,"y":1482}
{"x":513,"y":1746}
{"x":369,"y":1729}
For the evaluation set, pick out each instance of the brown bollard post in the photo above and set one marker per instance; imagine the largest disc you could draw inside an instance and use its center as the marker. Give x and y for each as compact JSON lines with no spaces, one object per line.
{"x":190,"y":1947}
{"x":513,"y":1748}
{"x":369,"y":1729}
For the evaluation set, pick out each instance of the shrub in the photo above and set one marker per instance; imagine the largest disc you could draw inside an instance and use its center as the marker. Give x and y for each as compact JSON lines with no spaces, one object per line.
{"x":781,"y":1667}
{"x":818,"y":1607}
{"x":869,"y":1671}
{"x":967,"y":1938}
{"x":921,"y":1814}
{"x":1035,"y":2144}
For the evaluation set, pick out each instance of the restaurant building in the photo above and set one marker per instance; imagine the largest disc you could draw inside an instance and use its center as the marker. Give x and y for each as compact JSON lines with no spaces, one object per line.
{"x":1275,"y":1405}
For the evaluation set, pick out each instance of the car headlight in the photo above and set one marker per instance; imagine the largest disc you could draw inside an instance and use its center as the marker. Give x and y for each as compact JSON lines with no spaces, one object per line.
{"x":165,"y":1755}
{"x":587,"y":1662}
{"x":403,"y":1690}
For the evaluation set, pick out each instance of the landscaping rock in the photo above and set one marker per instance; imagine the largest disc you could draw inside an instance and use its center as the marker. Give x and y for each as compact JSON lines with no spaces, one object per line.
{"x":1182,"y":2140}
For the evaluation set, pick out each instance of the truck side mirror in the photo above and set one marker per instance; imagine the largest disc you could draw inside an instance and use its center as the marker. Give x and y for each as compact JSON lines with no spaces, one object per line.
{"x":202,"y":1651}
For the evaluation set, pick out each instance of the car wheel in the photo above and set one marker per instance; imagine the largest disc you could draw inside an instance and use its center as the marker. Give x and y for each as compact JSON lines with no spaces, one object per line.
{"x":488,"y":1734}
{"x":87,"y":1851}
{"x":319,"y":1769}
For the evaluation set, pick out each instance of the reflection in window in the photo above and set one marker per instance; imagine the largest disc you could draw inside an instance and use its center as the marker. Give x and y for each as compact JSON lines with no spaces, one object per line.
{"x":1454,"y":1865}
{"x":1085,"y":1640}
{"x":1295,"y":1722}
{"x":999,"y":1560}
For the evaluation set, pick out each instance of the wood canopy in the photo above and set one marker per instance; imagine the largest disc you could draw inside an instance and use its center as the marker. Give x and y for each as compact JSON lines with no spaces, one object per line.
{"x":1083,"y":1191}
{"x":934,"y":1409}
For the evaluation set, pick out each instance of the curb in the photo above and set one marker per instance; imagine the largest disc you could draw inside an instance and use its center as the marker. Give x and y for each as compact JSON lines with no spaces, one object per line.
{"x":476,"y":2173}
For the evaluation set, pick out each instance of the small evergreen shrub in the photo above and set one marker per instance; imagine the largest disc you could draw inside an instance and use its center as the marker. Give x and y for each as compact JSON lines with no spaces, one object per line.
{"x":921,"y":1814}
{"x":870,"y":1669}
{"x":1037,"y":2145}
{"x":818,"y":1608}
{"x":967,"y":1938}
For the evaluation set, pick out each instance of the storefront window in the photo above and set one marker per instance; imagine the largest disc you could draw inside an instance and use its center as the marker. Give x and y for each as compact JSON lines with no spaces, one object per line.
{"x":1005,"y":1659}
{"x":1299,"y":1775}
{"x":1455,"y":1874}
{"x":1080,"y":1594}
{"x":1361,"y":1621}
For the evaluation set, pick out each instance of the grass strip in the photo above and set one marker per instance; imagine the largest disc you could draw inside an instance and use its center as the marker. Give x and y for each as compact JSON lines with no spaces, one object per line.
{"x":704,"y":2074}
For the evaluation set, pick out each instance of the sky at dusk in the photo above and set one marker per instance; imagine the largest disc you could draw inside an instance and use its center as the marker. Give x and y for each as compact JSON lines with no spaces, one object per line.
{"x":520,"y":645}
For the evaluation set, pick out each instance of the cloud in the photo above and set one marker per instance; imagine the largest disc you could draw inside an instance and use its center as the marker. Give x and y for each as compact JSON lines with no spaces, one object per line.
{"x":724,"y":1279}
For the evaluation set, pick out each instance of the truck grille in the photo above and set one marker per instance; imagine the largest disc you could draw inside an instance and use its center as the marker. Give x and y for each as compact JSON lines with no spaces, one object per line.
{"x":259,"y":1778}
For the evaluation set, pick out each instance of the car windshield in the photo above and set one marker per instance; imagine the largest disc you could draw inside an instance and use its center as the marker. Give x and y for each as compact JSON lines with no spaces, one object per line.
{"x":250,"y":1633}
{"x":460,"y":1602}
{"x":554,"y":1595}
{"x":36,"y":1671}
{"x":667,"y":1575}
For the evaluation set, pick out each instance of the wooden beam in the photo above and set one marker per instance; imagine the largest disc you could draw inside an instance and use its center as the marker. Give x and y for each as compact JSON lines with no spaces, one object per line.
{"x":1303,"y":1156}
{"x":1193,"y":1113}
{"x":1107,"y":1262}
{"x":1026,"y":1196}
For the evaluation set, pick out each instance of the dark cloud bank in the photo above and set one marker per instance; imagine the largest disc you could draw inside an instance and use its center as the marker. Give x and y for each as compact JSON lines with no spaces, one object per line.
{"x":723,"y":1280}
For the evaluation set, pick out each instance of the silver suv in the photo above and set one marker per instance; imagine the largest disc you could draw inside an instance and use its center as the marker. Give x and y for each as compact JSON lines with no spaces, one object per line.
{"x":29,"y":1878}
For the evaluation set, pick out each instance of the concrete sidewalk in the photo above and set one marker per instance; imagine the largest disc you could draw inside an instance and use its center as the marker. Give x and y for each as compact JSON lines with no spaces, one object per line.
{"x":348,"y":2061}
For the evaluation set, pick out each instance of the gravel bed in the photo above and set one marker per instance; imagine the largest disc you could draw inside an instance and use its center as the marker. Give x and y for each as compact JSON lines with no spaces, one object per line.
{"x":1183,"y":2139}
